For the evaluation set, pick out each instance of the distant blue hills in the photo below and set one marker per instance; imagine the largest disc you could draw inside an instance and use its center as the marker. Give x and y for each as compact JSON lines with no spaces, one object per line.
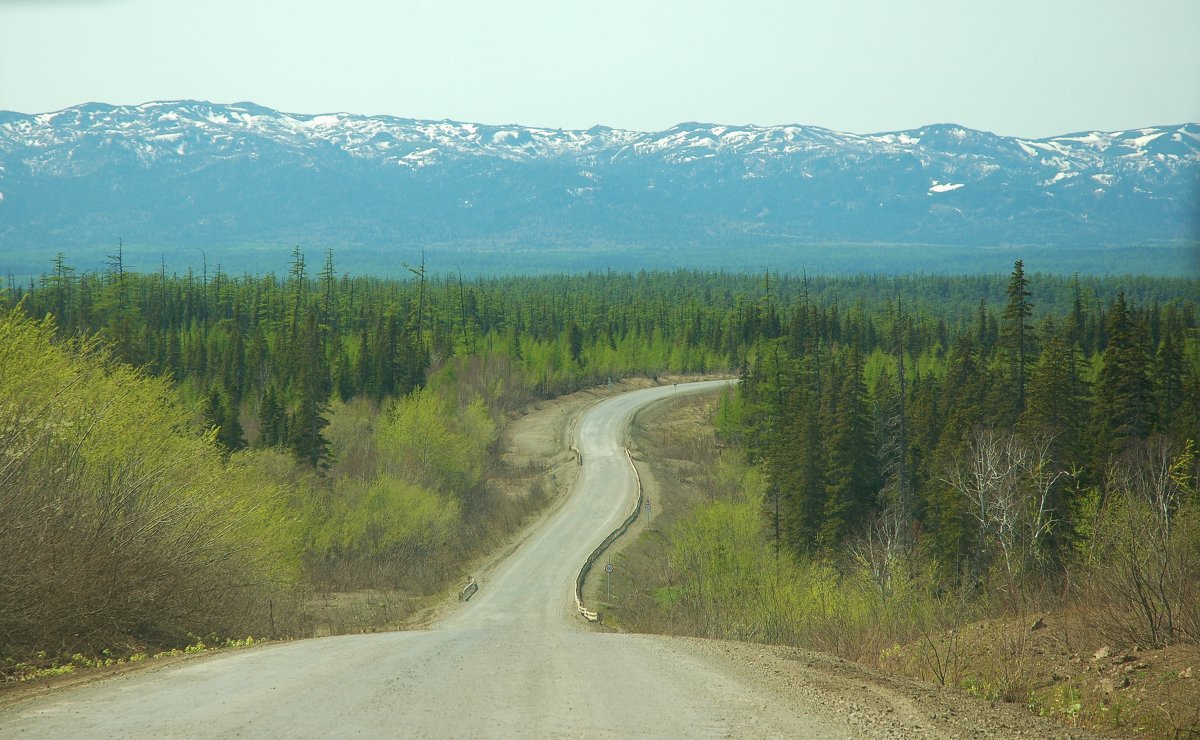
{"x":179,"y":175}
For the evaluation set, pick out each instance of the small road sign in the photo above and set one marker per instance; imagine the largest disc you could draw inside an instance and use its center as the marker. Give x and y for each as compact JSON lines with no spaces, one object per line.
{"x":608,"y":568}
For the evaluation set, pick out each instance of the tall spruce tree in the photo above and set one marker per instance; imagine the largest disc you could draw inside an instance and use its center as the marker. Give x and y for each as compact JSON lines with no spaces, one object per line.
{"x":1124,"y":409}
{"x":796,"y":468}
{"x":1016,"y":348}
{"x":1169,"y":393}
{"x":272,"y":419}
{"x":312,"y":397}
{"x":222,"y":414}
{"x":1057,"y":401}
{"x":851,"y":473}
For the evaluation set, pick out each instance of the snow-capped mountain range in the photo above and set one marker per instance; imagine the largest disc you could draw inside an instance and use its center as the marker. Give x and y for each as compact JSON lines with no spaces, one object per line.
{"x":196,"y":173}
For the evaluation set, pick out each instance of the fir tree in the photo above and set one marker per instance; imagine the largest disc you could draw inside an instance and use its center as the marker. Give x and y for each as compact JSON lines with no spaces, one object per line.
{"x":272,"y":419}
{"x":1016,"y":347}
{"x":1169,"y":386}
{"x":1124,"y":409}
{"x":575,"y":343}
{"x":1057,"y":399}
{"x":312,"y":397}
{"x":795,"y":467}
{"x":851,"y":476}
{"x":220,"y":413}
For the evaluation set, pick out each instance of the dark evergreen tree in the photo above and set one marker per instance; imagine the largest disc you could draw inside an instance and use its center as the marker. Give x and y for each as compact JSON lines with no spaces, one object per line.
{"x":1124,"y":409}
{"x":273,"y":420}
{"x":220,"y":413}
{"x":795,"y":469}
{"x":1057,"y":405}
{"x":575,"y":343}
{"x":312,"y":397}
{"x":1016,"y":349}
{"x":1169,"y":387}
{"x":851,"y":474}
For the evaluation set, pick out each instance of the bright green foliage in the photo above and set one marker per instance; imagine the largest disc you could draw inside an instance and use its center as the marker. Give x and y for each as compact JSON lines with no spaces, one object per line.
{"x":388,"y":519}
{"x":119,"y":523}
{"x":730,"y":584}
{"x":403,"y":495}
{"x":424,"y":440}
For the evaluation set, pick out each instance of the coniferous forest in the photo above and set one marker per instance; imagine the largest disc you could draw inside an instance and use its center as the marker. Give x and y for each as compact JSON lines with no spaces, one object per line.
{"x":1013,"y":459}
{"x":181,"y":450}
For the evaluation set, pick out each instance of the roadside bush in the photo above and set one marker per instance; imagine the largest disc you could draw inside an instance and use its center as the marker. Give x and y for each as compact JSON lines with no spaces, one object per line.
{"x":385,"y":532}
{"x":424,"y":440}
{"x":119,"y":523}
{"x":405,"y":496}
{"x":1140,"y":551}
{"x":733,"y":583}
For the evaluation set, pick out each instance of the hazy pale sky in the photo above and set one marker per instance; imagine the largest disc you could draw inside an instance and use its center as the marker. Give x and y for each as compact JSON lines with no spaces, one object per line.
{"x":1020,"y":67}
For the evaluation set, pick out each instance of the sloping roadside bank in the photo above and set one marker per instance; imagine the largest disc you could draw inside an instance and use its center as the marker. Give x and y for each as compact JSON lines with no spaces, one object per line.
{"x":676,"y":451}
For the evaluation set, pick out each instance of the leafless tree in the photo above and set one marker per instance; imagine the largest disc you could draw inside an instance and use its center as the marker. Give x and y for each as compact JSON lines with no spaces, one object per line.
{"x":1145,"y":549}
{"x":1009,"y":482}
{"x":881,"y":547}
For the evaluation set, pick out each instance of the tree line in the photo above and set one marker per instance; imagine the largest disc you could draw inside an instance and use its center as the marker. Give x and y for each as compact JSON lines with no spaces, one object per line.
{"x":264,"y":353}
{"x":356,"y":413}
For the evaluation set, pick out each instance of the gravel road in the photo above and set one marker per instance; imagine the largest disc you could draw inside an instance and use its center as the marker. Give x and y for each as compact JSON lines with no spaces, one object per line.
{"x":517,"y":661}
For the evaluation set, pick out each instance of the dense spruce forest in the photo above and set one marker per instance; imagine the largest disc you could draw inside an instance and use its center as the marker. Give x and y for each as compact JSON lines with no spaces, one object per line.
{"x":189,"y":454}
{"x":1043,"y":450}
{"x":884,"y":417}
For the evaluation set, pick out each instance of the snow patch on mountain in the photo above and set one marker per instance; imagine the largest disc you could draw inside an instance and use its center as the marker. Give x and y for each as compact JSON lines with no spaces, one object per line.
{"x":1058,"y":177}
{"x":805,"y":177}
{"x":937,"y":187}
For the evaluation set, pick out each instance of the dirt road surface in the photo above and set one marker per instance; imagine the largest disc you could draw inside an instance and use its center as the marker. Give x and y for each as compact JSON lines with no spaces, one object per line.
{"x":517,"y":661}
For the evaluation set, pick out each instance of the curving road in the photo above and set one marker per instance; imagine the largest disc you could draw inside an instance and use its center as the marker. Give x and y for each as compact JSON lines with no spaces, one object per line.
{"x":514,"y":661}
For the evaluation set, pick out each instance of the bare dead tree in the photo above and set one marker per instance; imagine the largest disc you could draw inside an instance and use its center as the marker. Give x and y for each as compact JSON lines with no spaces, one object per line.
{"x":1009,"y":483}
{"x":881,"y":547}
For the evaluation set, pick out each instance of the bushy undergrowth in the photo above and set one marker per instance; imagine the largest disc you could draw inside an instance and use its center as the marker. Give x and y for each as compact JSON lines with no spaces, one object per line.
{"x":128,"y":527}
{"x":1139,"y":550}
{"x":733,"y":583}
{"x":120,"y":524}
{"x":1137,"y":571}
{"x":390,"y":513}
